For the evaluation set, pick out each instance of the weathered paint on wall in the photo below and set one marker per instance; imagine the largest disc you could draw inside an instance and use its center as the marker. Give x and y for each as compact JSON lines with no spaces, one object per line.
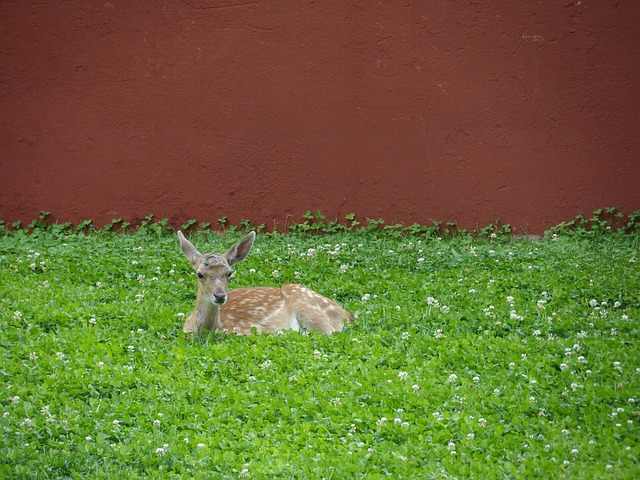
{"x":527,"y":112}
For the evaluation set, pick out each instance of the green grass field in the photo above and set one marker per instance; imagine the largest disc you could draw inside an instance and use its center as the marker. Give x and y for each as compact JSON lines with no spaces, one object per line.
{"x":471,"y":357}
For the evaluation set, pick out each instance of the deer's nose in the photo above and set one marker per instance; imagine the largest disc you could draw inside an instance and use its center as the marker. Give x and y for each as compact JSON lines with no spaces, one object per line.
{"x":220,"y":299}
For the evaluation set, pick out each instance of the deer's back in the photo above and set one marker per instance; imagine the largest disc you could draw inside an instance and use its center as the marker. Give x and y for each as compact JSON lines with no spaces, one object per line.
{"x":269,"y":309}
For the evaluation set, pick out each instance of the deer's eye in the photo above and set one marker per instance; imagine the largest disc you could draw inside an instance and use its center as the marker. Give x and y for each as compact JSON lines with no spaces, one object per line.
{"x":200,"y":275}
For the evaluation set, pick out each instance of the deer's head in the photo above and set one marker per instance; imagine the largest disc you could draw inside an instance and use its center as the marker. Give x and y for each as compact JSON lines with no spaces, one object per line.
{"x":214,"y":269}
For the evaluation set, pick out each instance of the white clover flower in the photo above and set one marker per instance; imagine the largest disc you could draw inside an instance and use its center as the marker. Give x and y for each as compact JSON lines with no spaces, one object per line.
{"x":488,"y":312}
{"x":451,"y":446}
{"x":432,"y":302}
{"x":403,"y":375}
{"x":415,"y":387}
{"x":452,"y":378}
{"x":244,"y":473}
{"x":264,"y":365}
{"x":482,"y":422}
{"x":27,"y":422}
{"x":156,"y":423}
{"x":160,"y":451}
{"x":366,"y":297}
{"x":33,"y":357}
{"x":381,"y":422}
{"x":405,"y":336}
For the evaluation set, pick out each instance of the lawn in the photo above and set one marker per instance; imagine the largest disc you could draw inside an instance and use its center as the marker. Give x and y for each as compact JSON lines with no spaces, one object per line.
{"x":471,"y":357}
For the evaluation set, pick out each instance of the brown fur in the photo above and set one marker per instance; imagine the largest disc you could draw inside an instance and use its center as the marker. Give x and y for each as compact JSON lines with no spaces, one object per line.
{"x":265,"y":309}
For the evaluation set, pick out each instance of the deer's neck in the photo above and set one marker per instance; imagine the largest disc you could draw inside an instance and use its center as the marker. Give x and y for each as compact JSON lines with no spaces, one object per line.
{"x":206,"y":316}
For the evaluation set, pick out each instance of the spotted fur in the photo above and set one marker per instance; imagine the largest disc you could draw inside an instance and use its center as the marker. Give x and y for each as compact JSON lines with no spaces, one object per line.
{"x":261,"y":309}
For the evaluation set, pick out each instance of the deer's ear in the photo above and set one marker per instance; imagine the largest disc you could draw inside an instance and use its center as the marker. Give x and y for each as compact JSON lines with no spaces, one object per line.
{"x":187,"y":247}
{"x":240,"y":250}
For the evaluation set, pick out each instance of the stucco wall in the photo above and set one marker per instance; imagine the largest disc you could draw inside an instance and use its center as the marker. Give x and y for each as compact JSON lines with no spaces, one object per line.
{"x":523,"y":111}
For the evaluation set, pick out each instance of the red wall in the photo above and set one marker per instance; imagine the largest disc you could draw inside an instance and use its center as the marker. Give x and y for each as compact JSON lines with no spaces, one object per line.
{"x":523,"y":111}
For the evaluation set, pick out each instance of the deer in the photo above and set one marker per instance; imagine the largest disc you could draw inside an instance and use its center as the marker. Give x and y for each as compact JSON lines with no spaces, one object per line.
{"x":262,"y":309}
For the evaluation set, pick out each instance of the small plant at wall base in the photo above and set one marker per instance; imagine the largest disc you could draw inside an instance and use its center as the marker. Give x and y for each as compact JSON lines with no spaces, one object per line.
{"x":608,"y":220}
{"x":470,"y":357}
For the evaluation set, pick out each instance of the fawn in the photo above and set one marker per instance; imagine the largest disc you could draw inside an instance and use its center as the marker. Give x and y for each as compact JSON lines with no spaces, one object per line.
{"x":267,"y":309}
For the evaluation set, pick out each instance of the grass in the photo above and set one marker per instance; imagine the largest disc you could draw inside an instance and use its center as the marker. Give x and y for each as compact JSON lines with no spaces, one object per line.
{"x":470,"y":357}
